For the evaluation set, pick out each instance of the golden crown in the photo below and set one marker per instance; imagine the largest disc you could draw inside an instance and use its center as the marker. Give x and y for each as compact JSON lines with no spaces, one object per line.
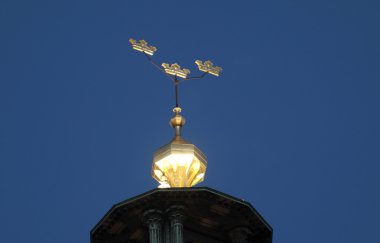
{"x":176,"y":70}
{"x":142,"y":46}
{"x":208,"y":67}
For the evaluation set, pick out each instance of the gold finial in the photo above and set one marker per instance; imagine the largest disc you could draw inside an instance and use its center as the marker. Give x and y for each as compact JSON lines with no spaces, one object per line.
{"x":208,"y":67}
{"x":143,"y":46}
{"x":177,"y":120}
{"x":179,"y":163}
{"x":175,"y":70}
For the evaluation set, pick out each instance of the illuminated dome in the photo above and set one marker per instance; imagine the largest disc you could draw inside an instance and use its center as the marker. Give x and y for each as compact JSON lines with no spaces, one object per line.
{"x":179,"y":163}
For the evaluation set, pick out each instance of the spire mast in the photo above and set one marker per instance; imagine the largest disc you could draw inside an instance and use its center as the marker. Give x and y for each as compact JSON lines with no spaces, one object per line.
{"x":179,"y":163}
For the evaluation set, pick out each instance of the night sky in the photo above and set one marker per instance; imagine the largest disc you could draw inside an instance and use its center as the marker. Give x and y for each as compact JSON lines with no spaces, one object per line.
{"x":291,"y":125}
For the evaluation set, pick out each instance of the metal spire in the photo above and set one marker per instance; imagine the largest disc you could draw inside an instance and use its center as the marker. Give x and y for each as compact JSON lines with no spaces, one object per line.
{"x":179,"y":163}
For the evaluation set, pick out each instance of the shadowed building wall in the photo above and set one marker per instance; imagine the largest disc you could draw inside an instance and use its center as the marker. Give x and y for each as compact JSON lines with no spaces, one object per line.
{"x":182,"y":215}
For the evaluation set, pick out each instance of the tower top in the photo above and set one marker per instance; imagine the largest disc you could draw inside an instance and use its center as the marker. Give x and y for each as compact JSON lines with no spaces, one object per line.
{"x":179,"y":163}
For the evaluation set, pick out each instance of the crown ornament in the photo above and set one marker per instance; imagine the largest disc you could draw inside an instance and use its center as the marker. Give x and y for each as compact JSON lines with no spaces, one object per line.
{"x":208,"y":67}
{"x":175,"y":70}
{"x":143,"y":46}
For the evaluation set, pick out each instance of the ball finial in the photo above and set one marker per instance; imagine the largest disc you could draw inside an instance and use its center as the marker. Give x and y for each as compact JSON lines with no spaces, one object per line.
{"x":177,"y":120}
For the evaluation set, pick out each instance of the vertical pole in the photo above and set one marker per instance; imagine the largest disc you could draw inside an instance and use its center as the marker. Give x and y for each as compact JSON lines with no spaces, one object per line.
{"x":176,"y":91}
{"x":153,"y":218}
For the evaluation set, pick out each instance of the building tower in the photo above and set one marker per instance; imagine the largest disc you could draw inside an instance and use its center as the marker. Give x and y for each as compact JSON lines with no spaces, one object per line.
{"x":177,"y":212}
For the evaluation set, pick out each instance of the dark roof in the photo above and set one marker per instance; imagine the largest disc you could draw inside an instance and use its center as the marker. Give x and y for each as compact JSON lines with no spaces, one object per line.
{"x":207,"y":211}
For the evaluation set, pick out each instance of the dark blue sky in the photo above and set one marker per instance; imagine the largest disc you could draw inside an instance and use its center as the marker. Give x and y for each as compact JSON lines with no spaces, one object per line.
{"x":292,"y":124}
